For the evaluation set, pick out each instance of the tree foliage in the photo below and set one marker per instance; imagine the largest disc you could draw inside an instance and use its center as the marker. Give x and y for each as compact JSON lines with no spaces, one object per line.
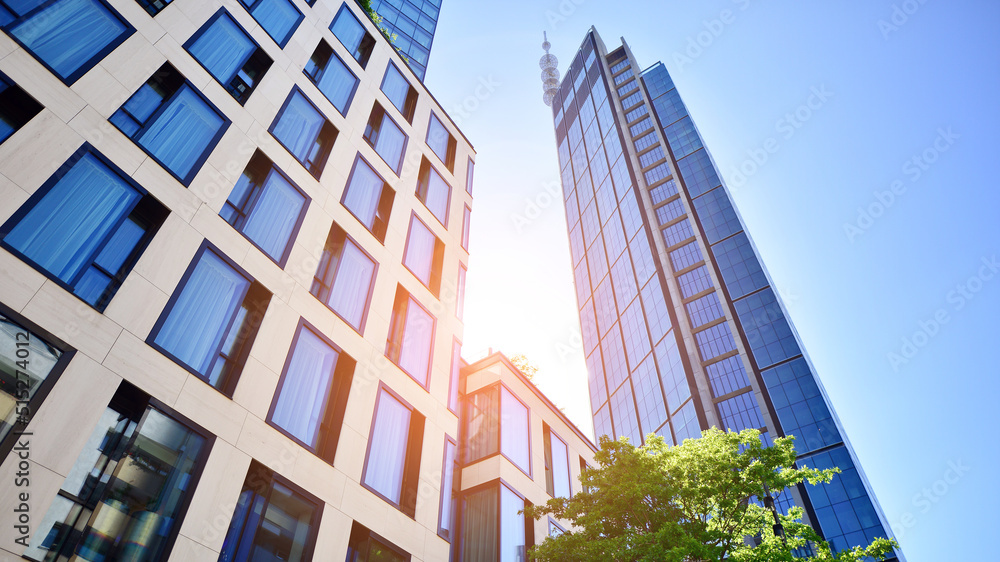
{"x":525,"y":366}
{"x":690,"y":503}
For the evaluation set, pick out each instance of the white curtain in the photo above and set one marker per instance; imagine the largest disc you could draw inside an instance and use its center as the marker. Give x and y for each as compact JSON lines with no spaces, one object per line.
{"x":182,"y":132}
{"x":514,"y":430}
{"x":364,"y":189}
{"x":418,"y":336}
{"x":223,"y":48}
{"x":437,"y":138}
{"x":277,"y":17}
{"x":560,"y":467}
{"x":438,"y":192}
{"x":348,"y":29}
{"x":349,"y":292}
{"x":395,"y":88}
{"x":337,"y":82}
{"x":64,"y":229}
{"x":69,"y":33}
{"x":389,"y":144}
{"x":298,"y":126}
{"x":420,"y":251}
{"x":304,"y":393}
{"x":273,"y":217}
{"x":511,"y":527}
{"x":387,"y":455}
{"x":196,"y":323}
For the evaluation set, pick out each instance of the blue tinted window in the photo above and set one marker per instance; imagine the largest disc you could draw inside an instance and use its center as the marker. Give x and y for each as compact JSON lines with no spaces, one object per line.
{"x":682,"y":137}
{"x":385,"y":137}
{"x":657,"y":173}
{"x":648,"y":397}
{"x":624,"y":282}
{"x":646,"y":141}
{"x":514,"y":430}
{"x":615,"y":365}
{"x":642,"y":258}
{"x":352,"y":35}
{"x":305,"y":132}
{"x":685,"y":423}
{"x":69,"y":36}
{"x":388,"y":447}
{"x":703,"y":310}
{"x":685,"y":256}
{"x":634,"y":330}
{"x":741,"y":272}
{"x":672,"y":376}
{"x":332,"y":77}
{"x":602,"y":422}
{"x":652,"y":156}
{"x":694,"y":282}
{"x":678,"y":232}
{"x":766,"y":329}
{"x":715,"y":341}
{"x":440,"y":141}
{"x":83,"y":228}
{"x":621,"y":78}
{"x":663,"y":191}
{"x":266,"y":207}
{"x":398,"y":90}
{"x":727,"y":376}
{"x":698,"y":173}
{"x":344,"y":278}
{"x":740,"y":412}
{"x":717,"y":215}
{"x":632,"y":99}
{"x":670,"y":211}
{"x":801,"y":410}
{"x":229,"y":55}
{"x":364,"y":196}
{"x":623,"y":414}
{"x":595,"y":377}
{"x":636,"y":113}
{"x":641,"y":127}
{"x":657,"y":80}
{"x":278,"y":18}
{"x":657,"y":314}
{"x":669,"y":107}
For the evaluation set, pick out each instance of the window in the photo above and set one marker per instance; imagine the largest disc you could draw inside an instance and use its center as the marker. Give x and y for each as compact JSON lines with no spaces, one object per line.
{"x":366,"y":546}
{"x":369,"y":198}
{"x":172,"y":122}
{"x":304,"y":131}
{"x":449,"y":490}
{"x":153,"y":7}
{"x":556,"y":465}
{"x":332,"y":77}
{"x":312,"y":394}
{"x":352,"y":35}
{"x":385,"y":137}
{"x":274,"y":520}
{"x":266,"y":207}
{"x":433,"y":192}
{"x":85,"y":227}
{"x":229,"y":55}
{"x":69,"y":37}
{"x":399,"y":91}
{"x":495,"y":417}
{"x":555,"y":529}
{"x":411,"y":337}
{"x":456,"y":373}
{"x":441,"y":142}
{"x":393,"y":461}
{"x":345,"y":278}
{"x":492,"y":528}
{"x":278,"y":18}
{"x":460,"y":293}
{"x":583,"y":468}
{"x":424,"y":255}
{"x":211,"y":320}
{"x":129,"y":489}
{"x":466,"y":222}
{"x":469,"y":172}
{"x":16,"y":108}
{"x":30,"y":364}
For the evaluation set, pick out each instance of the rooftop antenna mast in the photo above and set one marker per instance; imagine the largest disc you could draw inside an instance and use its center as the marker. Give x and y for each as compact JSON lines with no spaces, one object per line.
{"x":550,"y":72}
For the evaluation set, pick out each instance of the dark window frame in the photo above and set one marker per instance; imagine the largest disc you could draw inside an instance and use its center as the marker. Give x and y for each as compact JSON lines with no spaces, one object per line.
{"x":449,"y":534}
{"x":258,"y":55}
{"x":409,"y":486}
{"x":371,"y":132}
{"x":423,"y":187}
{"x":412,"y":95}
{"x":360,"y":329}
{"x":367,"y":44}
{"x":397,"y":330}
{"x":380,"y":223}
{"x":360,"y":533}
{"x":437,"y":257}
{"x":314,"y":79}
{"x":500,"y":385}
{"x":495,"y":484}
{"x":451,"y":148}
{"x":547,"y":434}
{"x":291,"y":32}
{"x":315,"y":168}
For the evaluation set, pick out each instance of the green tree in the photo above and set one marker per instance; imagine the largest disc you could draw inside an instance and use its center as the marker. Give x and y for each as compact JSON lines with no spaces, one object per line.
{"x":690,"y":503}
{"x":522,"y":363}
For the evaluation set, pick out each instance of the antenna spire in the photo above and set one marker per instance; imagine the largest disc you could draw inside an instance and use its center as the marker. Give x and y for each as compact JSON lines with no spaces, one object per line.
{"x":550,"y":72}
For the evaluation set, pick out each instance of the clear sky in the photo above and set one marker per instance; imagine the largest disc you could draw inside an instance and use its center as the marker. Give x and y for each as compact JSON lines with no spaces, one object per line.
{"x":887,"y":264}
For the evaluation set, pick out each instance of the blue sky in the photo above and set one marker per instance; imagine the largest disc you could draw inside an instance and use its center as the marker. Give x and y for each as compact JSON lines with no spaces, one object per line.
{"x":873,"y":211}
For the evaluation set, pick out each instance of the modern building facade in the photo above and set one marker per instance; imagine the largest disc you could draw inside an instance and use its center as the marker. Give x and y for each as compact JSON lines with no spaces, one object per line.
{"x":412,"y":24}
{"x":682,"y":328}
{"x":233,"y":244}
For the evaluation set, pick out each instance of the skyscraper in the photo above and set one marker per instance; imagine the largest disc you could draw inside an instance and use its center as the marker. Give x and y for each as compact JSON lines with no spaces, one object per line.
{"x":412,"y":24}
{"x":682,"y":328}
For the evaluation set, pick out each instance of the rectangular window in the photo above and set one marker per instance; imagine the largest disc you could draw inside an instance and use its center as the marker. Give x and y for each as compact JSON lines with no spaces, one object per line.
{"x":16,"y":108}
{"x":153,"y":7}
{"x":466,"y":222}
{"x":211,"y":319}
{"x":469,"y":172}
{"x":266,"y":207}
{"x":497,"y":418}
{"x":172,"y":122}
{"x":456,"y":373}
{"x":385,"y":137}
{"x":369,"y":198}
{"x":460,"y":293}
{"x":304,"y":131}
{"x":556,"y":465}
{"x":424,"y":254}
{"x":30,"y":364}
{"x":441,"y":142}
{"x":492,"y":527}
{"x":345,"y":278}
{"x":583,"y":468}
{"x":411,"y":337}
{"x":393,"y":460}
{"x":228,"y":53}
{"x":449,"y":488}
{"x":366,"y":546}
{"x":278,"y":18}
{"x":352,"y":35}
{"x":312,"y":394}
{"x":69,"y":37}
{"x":433,"y":192}
{"x":129,"y":488}
{"x":399,"y":91}
{"x":85,"y":227}
{"x":274,"y":520}
{"x":332,"y":77}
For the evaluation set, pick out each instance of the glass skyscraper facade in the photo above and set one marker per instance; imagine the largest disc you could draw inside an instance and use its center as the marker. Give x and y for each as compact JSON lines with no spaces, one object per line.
{"x":412,"y":23}
{"x":682,"y":329}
